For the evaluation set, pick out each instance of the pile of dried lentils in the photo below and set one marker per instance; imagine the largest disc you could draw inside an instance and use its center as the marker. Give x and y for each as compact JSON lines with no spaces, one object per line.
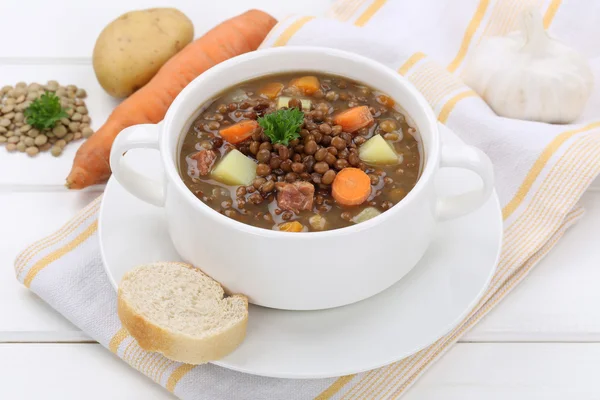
{"x":20,"y":136}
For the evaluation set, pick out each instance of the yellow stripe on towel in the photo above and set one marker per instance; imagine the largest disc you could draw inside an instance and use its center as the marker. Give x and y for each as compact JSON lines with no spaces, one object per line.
{"x":505,"y":17}
{"x":176,"y":376}
{"x":26,"y":256}
{"x":291,"y":31}
{"x":129,"y":349}
{"x":553,"y":198}
{"x":539,"y":165}
{"x":275,"y":29}
{"x":424,"y":73}
{"x":164,"y":368}
{"x":54,"y":256}
{"x":152,"y":364}
{"x":369,"y":13}
{"x":470,"y":32}
{"x":335,"y":387}
{"x":412,"y":60}
{"x":117,"y":339}
{"x":551,"y":13}
{"x":343,"y":10}
{"x":450,"y":104}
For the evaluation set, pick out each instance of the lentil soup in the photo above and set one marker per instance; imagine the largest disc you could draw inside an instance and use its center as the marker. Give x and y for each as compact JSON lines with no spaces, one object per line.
{"x":300,"y":152}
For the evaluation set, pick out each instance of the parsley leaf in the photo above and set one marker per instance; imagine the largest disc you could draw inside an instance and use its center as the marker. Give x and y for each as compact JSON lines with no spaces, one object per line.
{"x":283,"y":125}
{"x":45,"y":111}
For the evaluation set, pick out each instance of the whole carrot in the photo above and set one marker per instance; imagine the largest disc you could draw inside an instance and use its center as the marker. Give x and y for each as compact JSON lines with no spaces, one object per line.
{"x":233,"y":37}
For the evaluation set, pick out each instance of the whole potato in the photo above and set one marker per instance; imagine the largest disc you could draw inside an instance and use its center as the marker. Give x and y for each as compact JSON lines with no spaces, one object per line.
{"x":132,"y":48}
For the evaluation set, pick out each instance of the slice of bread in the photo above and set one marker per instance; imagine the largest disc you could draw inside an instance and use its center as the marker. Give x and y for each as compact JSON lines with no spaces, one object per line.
{"x":175,"y":309}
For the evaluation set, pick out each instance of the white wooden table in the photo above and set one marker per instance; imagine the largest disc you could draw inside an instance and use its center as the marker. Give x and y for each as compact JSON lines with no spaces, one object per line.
{"x":542,"y":342}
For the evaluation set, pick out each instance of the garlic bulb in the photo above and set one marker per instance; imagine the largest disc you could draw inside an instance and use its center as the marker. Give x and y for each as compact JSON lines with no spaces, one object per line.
{"x":528,"y":75}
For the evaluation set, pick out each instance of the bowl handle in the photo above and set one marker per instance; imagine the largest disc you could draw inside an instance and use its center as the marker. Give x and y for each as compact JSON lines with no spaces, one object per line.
{"x":473,"y":159}
{"x":144,"y":136}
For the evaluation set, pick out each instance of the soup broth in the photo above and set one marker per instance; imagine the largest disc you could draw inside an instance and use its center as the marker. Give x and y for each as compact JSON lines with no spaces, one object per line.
{"x":300,"y":152}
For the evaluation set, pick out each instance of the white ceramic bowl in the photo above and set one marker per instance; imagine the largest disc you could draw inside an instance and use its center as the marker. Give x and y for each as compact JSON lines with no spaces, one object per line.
{"x":300,"y":271}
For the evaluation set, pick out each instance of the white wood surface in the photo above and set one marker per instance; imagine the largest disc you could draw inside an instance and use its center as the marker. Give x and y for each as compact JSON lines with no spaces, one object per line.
{"x":490,"y":371}
{"x":71,"y":371}
{"x":559,"y":301}
{"x":542,"y":342}
{"x":486,"y":371}
{"x":67,"y":29}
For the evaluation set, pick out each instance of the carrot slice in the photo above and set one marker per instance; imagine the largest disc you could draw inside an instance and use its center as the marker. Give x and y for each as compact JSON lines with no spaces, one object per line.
{"x":354,"y":118}
{"x":293,"y":226}
{"x":239,"y":132}
{"x":307,"y":84}
{"x":271,"y":90}
{"x":386,"y":100}
{"x":351,"y":187}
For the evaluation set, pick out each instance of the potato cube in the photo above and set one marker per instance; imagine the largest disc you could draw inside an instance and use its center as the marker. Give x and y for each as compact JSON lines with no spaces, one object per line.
{"x":377,"y":151}
{"x":235,"y":169}
{"x":365,"y":215}
{"x":317,"y":222}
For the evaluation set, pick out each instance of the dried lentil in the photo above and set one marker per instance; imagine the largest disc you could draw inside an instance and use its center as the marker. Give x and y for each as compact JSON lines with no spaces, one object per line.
{"x":15,"y":100}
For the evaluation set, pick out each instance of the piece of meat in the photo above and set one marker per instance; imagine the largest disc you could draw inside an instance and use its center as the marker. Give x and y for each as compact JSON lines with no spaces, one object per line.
{"x":204,"y":161}
{"x":295,"y":196}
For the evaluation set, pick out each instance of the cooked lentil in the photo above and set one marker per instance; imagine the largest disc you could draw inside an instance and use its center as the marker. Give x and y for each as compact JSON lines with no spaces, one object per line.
{"x":309,"y":164}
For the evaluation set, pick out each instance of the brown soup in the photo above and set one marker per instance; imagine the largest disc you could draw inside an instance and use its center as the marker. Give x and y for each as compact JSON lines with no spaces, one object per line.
{"x":300,"y":152}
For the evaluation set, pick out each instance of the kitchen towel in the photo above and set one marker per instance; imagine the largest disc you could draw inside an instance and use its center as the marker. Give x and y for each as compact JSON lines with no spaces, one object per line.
{"x":541,"y":171}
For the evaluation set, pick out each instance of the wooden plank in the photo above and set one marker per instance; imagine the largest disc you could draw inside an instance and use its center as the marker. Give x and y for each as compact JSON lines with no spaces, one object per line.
{"x":512,"y":371}
{"x":71,"y":371}
{"x":27,"y":217}
{"x":467,"y":372}
{"x":558,"y":301}
{"x":69,"y":28}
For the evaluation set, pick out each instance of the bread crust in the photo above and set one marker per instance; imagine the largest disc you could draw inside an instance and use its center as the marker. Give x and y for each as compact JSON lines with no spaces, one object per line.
{"x":180,"y":346}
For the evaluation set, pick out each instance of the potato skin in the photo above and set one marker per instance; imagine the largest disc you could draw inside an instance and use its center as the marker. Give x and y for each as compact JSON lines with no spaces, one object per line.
{"x":132,"y":48}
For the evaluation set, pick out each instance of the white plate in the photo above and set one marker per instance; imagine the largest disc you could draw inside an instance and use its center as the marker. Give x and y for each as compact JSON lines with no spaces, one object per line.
{"x":418,"y":310}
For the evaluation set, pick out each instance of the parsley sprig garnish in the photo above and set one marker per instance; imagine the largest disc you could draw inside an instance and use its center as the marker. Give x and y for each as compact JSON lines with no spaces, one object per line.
{"x":282,"y":126}
{"x":45,"y":111}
